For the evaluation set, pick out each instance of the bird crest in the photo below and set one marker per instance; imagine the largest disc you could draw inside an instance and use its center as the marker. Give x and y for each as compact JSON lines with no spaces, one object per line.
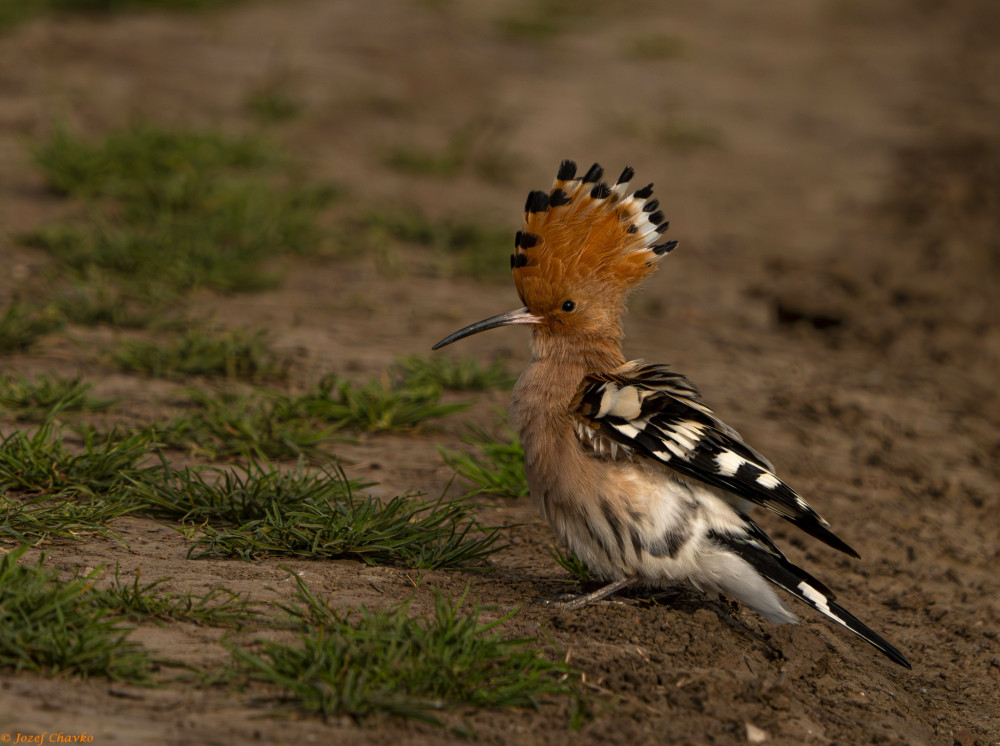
{"x":587,"y":235}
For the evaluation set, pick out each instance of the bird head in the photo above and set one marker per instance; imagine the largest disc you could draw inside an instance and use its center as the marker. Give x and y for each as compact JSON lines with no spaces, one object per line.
{"x":584,"y":246}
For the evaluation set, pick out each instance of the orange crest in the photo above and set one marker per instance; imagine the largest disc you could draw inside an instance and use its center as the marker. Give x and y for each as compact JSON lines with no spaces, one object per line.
{"x":587,"y":237}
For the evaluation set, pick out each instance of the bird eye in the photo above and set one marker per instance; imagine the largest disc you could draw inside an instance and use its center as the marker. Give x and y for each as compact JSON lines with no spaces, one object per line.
{"x":568,"y":306}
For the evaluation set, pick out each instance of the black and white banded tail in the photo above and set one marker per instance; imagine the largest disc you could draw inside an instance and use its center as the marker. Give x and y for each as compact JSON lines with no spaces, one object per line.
{"x":761,"y":554}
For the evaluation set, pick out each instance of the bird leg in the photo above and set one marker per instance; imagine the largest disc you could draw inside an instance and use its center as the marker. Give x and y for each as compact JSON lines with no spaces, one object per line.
{"x":574,"y":601}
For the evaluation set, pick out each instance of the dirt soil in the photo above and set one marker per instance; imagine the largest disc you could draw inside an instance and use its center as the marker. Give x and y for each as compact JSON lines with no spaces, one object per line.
{"x":830,"y":169}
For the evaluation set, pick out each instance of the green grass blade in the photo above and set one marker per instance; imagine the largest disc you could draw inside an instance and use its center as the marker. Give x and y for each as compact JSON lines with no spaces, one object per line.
{"x":497,"y":468}
{"x":46,"y":396}
{"x":21,"y":326}
{"x":386,"y":662}
{"x":50,"y":625}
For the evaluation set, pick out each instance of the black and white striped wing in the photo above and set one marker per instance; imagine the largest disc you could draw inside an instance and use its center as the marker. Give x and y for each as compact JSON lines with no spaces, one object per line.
{"x":649,"y":411}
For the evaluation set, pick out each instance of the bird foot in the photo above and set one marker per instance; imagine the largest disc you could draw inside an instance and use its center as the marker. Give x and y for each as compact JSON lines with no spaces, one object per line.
{"x":567,"y":601}
{"x":573,"y":601}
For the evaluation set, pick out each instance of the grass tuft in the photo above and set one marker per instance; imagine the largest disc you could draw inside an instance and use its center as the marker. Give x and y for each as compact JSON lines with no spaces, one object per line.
{"x":60,"y":495}
{"x":230,"y":425}
{"x":221,"y":241}
{"x":50,"y":625}
{"x":387,"y":663}
{"x":174,"y":210}
{"x":376,"y":405}
{"x":93,"y":300}
{"x":44,"y":518}
{"x":477,"y":147}
{"x":568,"y":561}
{"x":498,"y":468}
{"x":46,"y":396}
{"x":454,"y":375}
{"x":237,"y":495}
{"x":258,"y":511}
{"x":460,"y":246}
{"x":107,"y":465}
{"x":219,"y":607}
{"x":145,"y":164}
{"x":236,"y":354}
{"x":277,"y":425}
{"x":542,"y":21}
{"x":21,"y":326}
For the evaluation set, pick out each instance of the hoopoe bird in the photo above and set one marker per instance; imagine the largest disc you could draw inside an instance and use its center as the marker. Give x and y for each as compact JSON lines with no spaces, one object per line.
{"x":628,"y":465}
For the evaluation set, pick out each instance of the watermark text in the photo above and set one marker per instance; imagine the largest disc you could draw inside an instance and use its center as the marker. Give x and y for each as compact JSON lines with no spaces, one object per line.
{"x":47,"y":737}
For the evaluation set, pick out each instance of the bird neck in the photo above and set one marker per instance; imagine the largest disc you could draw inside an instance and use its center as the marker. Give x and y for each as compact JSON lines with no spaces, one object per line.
{"x":577,"y":354}
{"x":550,"y":381}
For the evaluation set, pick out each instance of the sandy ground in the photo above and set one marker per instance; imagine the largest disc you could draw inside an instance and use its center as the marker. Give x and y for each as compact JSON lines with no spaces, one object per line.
{"x":831,"y":172}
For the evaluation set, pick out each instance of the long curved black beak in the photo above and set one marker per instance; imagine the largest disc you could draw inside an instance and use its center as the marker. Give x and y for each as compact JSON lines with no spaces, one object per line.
{"x":520,"y":316}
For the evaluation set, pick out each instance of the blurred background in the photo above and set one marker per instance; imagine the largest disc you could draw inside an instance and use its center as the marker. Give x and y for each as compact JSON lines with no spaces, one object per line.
{"x":833,"y":134}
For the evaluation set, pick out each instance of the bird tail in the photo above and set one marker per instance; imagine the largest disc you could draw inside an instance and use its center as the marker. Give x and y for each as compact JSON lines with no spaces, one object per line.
{"x":773,"y":566}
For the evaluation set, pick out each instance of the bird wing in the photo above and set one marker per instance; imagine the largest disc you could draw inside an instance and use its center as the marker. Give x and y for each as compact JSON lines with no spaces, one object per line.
{"x":650,"y":412}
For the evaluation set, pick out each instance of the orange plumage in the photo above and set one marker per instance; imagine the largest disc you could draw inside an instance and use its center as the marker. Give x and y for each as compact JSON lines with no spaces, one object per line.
{"x":586,"y":238}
